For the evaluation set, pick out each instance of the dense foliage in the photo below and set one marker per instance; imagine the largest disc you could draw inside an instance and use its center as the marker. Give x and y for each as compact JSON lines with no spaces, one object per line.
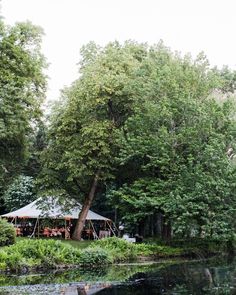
{"x":122,"y":250}
{"x":182,"y":171}
{"x":19,"y":193}
{"x":38,"y":253}
{"x":148,"y":128}
{"x":84,"y":130}
{"x":173,"y":162}
{"x":28,"y":253}
{"x":7,"y":233}
{"x":22,"y":87}
{"x":95,"y":256}
{"x":119,"y":249}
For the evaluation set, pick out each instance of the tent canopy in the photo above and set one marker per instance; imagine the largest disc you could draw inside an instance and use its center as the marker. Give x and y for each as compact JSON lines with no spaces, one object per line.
{"x":50,"y":208}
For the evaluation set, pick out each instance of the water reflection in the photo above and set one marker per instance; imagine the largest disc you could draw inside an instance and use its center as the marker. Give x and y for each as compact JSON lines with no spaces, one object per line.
{"x":217,"y":276}
{"x":212,"y":277}
{"x":115,"y":274}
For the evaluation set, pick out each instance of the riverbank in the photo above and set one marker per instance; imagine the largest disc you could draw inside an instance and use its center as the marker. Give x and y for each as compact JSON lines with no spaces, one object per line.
{"x":55,"y":289}
{"x":34,"y":255}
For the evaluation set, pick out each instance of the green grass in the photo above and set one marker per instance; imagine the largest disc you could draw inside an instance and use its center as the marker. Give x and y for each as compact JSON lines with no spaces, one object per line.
{"x":78,"y":244}
{"x":75,"y":244}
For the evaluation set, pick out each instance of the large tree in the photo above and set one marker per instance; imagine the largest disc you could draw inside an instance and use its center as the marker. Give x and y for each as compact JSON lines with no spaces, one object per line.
{"x":84,"y":127}
{"x":22,"y":88}
{"x":173,"y":159}
{"x":146,"y":120}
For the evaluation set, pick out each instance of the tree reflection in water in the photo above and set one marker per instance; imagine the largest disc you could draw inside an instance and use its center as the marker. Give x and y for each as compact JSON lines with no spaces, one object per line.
{"x":215,"y":277}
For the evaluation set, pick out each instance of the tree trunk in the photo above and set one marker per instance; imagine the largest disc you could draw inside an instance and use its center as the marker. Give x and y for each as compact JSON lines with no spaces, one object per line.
{"x":166,"y":230}
{"x":85,"y":208}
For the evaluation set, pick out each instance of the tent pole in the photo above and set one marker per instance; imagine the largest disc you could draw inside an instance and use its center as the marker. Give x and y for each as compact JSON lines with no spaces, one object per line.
{"x":111,"y":228}
{"x":65,"y":229}
{"x":115,"y":227}
{"x":89,"y":229}
{"x":38,"y":228}
{"x":94,"y":230}
{"x":35,"y":226}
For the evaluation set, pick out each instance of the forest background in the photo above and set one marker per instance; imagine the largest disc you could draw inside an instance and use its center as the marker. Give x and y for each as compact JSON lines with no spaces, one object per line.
{"x":144,"y":135}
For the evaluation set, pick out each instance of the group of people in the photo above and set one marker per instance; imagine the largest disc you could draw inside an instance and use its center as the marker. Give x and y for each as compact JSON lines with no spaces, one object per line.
{"x":26,"y":230}
{"x":50,"y":230}
{"x":63,"y":232}
{"x":23,"y":231}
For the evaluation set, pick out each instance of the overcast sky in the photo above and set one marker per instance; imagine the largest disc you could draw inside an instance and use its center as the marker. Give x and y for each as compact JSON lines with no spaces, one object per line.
{"x":184,"y":25}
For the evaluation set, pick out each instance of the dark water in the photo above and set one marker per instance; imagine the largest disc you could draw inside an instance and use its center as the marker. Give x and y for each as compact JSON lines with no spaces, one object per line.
{"x":207,"y":277}
{"x":215,"y":276}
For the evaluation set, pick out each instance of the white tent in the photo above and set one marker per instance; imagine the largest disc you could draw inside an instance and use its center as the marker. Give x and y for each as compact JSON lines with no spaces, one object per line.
{"x":51,"y":209}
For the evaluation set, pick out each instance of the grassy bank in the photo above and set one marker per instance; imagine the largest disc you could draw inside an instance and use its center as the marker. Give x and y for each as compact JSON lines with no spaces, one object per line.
{"x":28,"y":254}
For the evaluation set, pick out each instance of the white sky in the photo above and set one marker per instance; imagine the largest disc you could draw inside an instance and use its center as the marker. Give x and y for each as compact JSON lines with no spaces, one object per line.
{"x":184,"y":25}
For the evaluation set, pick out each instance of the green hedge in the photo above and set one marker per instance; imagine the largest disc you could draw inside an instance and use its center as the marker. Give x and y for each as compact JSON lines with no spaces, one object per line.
{"x":7,"y":233}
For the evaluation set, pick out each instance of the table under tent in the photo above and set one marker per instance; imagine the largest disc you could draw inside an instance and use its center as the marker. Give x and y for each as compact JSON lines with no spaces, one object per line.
{"x":51,"y":218}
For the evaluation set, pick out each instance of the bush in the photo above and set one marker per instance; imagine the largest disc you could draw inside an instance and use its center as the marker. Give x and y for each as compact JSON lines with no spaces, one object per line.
{"x":95,"y":256}
{"x":119,"y":249}
{"x":7,"y":233}
{"x":158,"y":250}
{"x":38,"y":253}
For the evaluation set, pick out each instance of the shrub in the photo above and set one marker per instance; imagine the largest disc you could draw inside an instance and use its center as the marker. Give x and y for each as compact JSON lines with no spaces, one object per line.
{"x":158,"y":250}
{"x":38,"y":253}
{"x":7,"y":233}
{"x":95,"y":256}
{"x":47,"y":251}
{"x":119,"y":249}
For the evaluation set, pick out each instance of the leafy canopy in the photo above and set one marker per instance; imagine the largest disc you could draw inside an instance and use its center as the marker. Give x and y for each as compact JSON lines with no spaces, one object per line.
{"x":87,"y":121}
{"x":19,"y":193}
{"x":173,"y":157}
{"x":22,"y":87}
{"x":151,"y":123}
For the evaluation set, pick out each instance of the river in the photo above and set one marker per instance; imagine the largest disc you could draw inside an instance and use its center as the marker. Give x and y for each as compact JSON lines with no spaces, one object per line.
{"x":214,"y":276}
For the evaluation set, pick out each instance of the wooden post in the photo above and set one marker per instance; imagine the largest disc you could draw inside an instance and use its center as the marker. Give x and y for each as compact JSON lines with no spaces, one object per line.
{"x":65,"y":230}
{"x":115,"y":215}
{"x":89,"y":230}
{"x":111,"y":228}
{"x":38,"y":228}
{"x":94,"y":230}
